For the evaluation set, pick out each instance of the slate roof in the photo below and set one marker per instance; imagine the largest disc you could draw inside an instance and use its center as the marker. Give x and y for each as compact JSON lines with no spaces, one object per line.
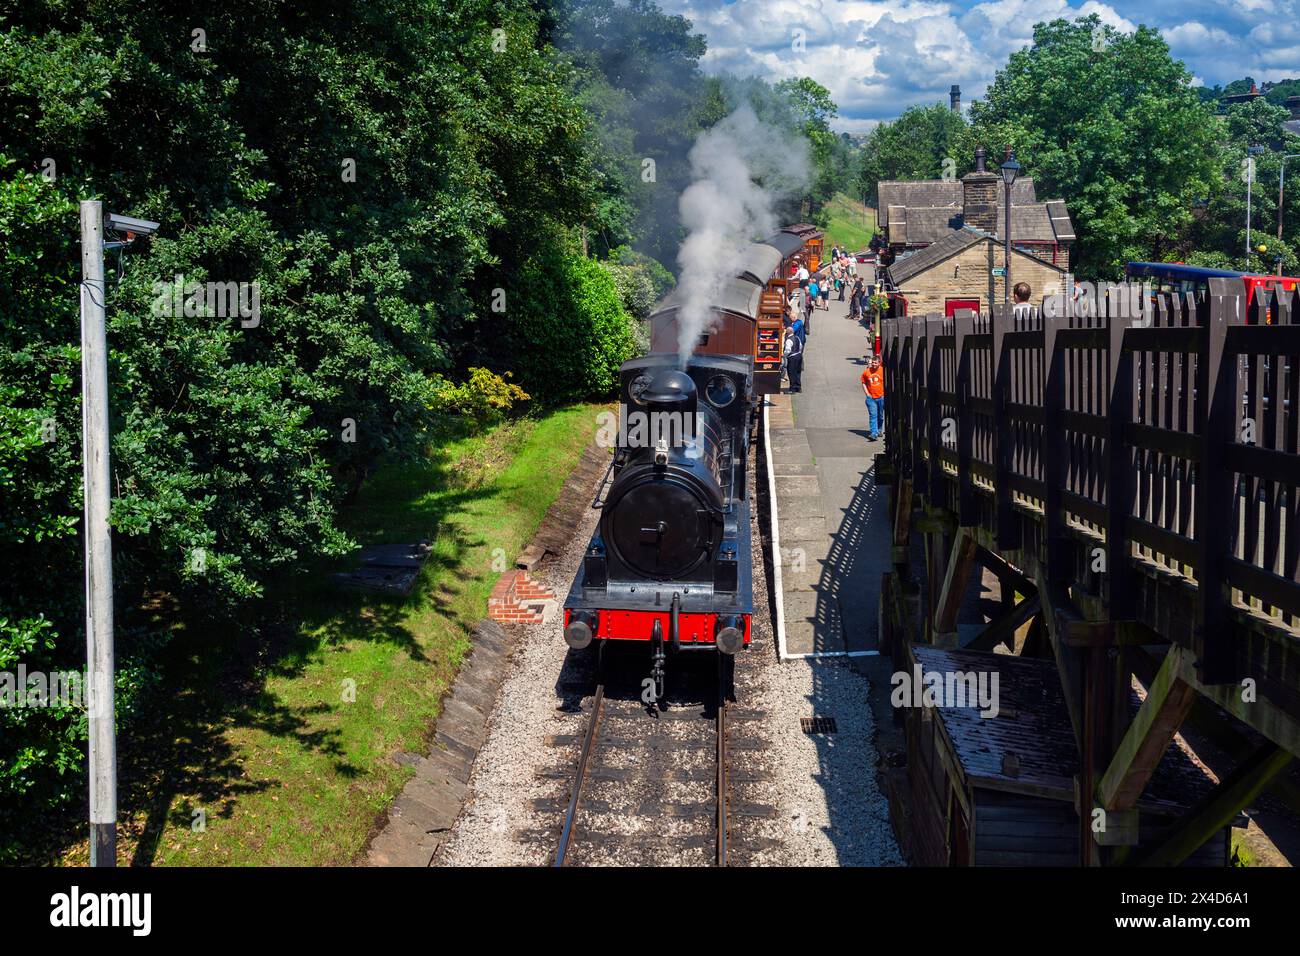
{"x":916,"y":213}
{"x":913,"y":263}
{"x":935,"y":193}
{"x":919,"y":261}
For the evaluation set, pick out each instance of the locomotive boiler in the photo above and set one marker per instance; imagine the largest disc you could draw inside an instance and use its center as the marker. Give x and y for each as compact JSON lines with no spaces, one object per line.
{"x":669,"y":563}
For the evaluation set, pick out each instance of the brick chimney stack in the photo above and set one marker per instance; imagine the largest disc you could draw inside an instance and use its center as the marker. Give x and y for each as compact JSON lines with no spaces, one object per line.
{"x":954,"y":98}
{"x":979,"y":191}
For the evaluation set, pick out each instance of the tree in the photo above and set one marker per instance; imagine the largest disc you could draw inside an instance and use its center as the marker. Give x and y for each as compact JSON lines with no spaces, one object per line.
{"x":920,"y":144}
{"x":1110,"y":123}
{"x":376,"y":174}
{"x":814,"y":109}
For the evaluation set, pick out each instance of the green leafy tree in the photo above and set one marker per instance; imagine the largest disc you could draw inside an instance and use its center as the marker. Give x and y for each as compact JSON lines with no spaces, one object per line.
{"x":921,"y":144}
{"x":1112,"y":127}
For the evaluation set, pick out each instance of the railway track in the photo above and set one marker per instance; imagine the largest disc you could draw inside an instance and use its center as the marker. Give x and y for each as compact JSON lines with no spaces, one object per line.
{"x":623,"y":726}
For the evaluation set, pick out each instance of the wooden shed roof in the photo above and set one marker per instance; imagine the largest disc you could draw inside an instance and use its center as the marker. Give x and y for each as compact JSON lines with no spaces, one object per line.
{"x":1033,"y":724}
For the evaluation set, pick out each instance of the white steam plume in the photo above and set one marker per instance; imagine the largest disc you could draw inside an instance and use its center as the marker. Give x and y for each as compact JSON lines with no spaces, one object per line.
{"x":741,"y":168}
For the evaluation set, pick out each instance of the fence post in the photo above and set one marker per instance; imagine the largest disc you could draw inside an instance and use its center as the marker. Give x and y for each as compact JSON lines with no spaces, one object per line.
{"x":1218,"y":387}
{"x":933,"y":385}
{"x":1008,"y":530}
{"x":920,"y":479}
{"x":1054,"y":449}
{"x":963,"y":325}
{"x":1119,"y":469}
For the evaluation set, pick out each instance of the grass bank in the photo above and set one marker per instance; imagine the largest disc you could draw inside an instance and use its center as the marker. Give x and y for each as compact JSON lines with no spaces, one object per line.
{"x":851,"y":224}
{"x":282,"y":753}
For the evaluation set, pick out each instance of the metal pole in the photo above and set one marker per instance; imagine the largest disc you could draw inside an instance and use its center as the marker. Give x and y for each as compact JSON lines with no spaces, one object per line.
{"x":99,"y":550}
{"x":1006,"y":277}
{"x":1250,"y":182}
{"x":1281,"y":193}
{"x":1281,"y":190}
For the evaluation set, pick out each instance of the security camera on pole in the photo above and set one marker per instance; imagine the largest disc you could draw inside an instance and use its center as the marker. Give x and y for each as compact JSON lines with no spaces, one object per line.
{"x":95,"y":440}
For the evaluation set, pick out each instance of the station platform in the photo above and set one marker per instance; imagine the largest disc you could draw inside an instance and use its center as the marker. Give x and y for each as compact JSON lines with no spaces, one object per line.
{"x":832,"y":520}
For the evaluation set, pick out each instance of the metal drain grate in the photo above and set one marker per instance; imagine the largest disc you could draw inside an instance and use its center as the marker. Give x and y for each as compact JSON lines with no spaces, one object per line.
{"x":818,"y":725}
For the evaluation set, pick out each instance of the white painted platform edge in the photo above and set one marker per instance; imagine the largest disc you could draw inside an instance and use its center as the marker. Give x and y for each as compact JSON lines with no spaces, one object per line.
{"x":797,"y":657}
{"x":779,"y":624}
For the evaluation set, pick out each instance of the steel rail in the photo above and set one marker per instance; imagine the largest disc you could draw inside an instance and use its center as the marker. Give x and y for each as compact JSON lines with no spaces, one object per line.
{"x":721,"y":783}
{"x":588,"y":744}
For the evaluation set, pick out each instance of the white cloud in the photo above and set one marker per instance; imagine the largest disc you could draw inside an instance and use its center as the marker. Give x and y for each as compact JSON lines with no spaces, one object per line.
{"x":878,"y":58}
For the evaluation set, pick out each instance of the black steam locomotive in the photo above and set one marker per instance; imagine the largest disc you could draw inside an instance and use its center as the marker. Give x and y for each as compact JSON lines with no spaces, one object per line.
{"x":670,"y":563}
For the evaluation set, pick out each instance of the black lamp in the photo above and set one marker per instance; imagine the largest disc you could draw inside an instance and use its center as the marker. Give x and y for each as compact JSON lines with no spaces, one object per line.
{"x":1010,"y":170}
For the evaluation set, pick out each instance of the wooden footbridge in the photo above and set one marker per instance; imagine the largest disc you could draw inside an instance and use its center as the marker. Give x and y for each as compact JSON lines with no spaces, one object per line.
{"x":1134,"y":483}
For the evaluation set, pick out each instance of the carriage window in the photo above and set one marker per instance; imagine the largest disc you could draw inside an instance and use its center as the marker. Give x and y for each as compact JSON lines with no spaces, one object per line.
{"x":704,"y":341}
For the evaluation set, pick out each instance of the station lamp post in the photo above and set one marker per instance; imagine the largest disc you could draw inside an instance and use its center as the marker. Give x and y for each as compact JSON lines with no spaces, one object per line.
{"x":1010,"y":170}
{"x":1251,"y":153}
{"x":1281,"y":190}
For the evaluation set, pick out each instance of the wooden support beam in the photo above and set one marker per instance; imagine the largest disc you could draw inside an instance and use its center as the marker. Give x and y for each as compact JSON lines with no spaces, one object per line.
{"x":1148,"y":736}
{"x":956,"y":576}
{"x":1006,"y":571}
{"x":1217,"y":809}
{"x":1003,"y":630}
{"x":903,"y":513}
{"x":1273,"y":722}
{"x":1055,"y":606}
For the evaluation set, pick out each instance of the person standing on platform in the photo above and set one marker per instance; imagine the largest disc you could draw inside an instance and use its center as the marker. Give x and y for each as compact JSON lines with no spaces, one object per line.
{"x":824,"y":292}
{"x":873,"y":387}
{"x":793,"y":348}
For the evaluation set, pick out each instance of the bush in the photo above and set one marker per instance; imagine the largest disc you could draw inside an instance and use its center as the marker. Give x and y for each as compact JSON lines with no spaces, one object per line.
{"x":482,"y":401}
{"x":572,"y":323}
{"x":660,"y":278}
{"x":635,"y":290}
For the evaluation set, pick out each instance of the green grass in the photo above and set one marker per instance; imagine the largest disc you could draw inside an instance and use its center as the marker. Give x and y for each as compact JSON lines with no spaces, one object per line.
{"x":261,"y":738}
{"x":851,"y":224}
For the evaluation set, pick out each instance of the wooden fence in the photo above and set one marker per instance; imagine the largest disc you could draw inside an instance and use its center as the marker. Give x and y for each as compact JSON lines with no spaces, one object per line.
{"x":1168,"y":438}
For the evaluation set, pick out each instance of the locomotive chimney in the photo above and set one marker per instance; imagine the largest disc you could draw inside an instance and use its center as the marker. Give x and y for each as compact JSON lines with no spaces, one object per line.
{"x":954,"y":98}
{"x":979,"y":193}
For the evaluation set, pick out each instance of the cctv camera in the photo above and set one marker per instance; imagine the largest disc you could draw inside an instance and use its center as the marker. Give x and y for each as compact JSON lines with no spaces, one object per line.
{"x":133,"y":227}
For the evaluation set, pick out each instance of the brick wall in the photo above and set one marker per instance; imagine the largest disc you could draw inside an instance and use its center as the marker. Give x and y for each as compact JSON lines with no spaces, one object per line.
{"x":518,"y":599}
{"x":968,"y":275}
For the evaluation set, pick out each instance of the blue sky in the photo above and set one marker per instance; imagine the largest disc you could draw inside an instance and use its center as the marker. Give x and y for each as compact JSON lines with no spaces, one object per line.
{"x":879,"y":58}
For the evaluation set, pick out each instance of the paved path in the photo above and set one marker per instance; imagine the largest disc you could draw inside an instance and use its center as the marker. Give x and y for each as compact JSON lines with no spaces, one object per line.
{"x":833,"y":522}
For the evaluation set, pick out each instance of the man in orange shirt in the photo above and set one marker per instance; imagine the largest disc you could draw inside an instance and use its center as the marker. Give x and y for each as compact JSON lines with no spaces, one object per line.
{"x":873,"y":387}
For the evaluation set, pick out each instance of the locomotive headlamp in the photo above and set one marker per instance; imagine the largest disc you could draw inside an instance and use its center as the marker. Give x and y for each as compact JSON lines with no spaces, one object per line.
{"x":579,"y":631}
{"x":730,"y":638}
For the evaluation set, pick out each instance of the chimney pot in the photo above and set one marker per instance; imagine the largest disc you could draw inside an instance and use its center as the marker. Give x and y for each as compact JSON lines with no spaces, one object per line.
{"x":980,"y":196}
